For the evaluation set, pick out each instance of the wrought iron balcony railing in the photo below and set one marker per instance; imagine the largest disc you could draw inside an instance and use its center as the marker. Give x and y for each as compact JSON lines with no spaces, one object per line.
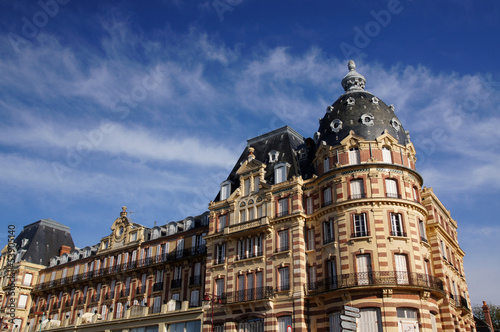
{"x":360,"y":234}
{"x":376,"y":278}
{"x":195,"y":280}
{"x":176,"y":283}
{"x":248,"y":255}
{"x":245,"y":295}
{"x":398,"y":233}
{"x":157,"y":286}
{"x":357,"y":196}
{"x":392,"y":195}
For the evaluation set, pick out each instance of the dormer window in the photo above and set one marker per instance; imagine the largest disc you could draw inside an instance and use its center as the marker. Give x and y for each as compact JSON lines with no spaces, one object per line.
{"x":24,"y":242}
{"x":354,"y":157}
{"x":273,"y":156}
{"x":280,"y":173}
{"x":256,"y":182}
{"x":246,"y":185}
{"x":225,"y":190}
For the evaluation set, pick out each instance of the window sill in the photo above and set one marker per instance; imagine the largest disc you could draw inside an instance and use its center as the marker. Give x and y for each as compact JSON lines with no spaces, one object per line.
{"x":393,"y":237}
{"x":360,"y":239}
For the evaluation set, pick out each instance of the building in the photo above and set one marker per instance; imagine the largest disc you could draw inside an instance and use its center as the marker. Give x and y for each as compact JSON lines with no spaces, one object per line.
{"x":302,"y":228}
{"x":331,"y":233}
{"x":135,"y":279}
{"x":31,"y":252}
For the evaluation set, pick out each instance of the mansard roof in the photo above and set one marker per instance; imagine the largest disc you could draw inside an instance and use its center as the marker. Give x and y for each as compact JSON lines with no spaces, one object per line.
{"x":41,"y":240}
{"x":286,"y":145}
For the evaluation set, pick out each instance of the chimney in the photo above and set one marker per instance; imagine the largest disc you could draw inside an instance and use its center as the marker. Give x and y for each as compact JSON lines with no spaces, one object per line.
{"x":487,"y":316}
{"x":64,"y":250}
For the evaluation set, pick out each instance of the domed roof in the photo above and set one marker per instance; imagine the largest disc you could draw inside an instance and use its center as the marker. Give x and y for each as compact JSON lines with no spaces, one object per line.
{"x":360,"y":111}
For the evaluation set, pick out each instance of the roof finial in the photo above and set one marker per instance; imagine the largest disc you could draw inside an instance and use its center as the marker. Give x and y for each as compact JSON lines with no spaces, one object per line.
{"x":353,"y":81}
{"x":351,"y":65}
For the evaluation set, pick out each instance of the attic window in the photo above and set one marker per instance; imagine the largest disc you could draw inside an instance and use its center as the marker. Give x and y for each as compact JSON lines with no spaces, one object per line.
{"x":367,"y":119}
{"x":350,"y":101}
{"x":273,"y":156}
{"x":280,"y":173}
{"x":105,"y":245}
{"x":336,"y":125}
{"x":24,"y":242}
{"x":225,"y":190}
{"x":395,"y":124}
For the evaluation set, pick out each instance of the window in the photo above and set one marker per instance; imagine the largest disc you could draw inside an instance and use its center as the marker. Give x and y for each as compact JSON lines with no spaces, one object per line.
{"x":21,"y":304}
{"x":364,"y":265}
{"x":421,"y":227}
{"x":280,"y":171}
{"x":251,"y":214}
{"x":360,"y":227}
{"x":284,"y":281}
{"x":370,"y":320}
{"x":219,"y":287}
{"x":354,"y":157}
{"x":195,"y":298}
{"x":326,"y":164}
{"x":391,"y":188}
{"x":251,"y":325}
{"x":283,"y":322}
{"x":246,"y":187}
{"x":443,"y":251}
{"x":309,"y":205}
{"x":220,"y":253}
{"x":157,"y":304}
{"x":310,"y":239}
{"x":401,"y":269}
{"x":386,"y":155}
{"x":357,"y":189}
{"x":225,"y":190}
{"x":219,"y":328}
{"x":27,"y":279}
{"x":334,"y":320}
{"x":331,"y":274}
{"x":397,"y":225}
{"x":407,"y":319}
{"x":282,"y":241}
{"x":433,"y":322}
{"x":256,"y":182}
{"x":327,"y":196}
{"x":415,"y":194}
{"x":282,"y":207}
{"x":243,"y":216}
{"x":312,"y":277}
{"x":328,"y":232}
{"x":222,"y":223}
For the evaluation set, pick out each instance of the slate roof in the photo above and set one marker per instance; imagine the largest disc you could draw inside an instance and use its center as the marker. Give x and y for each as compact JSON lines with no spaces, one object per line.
{"x":44,"y":240}
{"x":289,"y":144}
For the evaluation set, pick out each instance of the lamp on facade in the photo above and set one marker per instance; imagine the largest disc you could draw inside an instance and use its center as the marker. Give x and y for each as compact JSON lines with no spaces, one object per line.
{"x":213,"y":300}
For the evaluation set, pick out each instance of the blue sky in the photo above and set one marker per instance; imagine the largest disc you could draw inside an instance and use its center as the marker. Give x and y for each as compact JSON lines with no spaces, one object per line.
{"x":149,"y":104}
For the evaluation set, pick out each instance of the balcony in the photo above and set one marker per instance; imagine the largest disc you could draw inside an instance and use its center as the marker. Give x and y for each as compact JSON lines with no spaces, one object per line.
{"x":176,"y":283}
{"x":195,"y":280}
{"x":424,"y":239}
{"x":246,"y":295}
{"x":360,"y":234}
{"x":248,"y":255}
{"x":326,"y":203}
{"x":357,"y":196}
{"x":376,"y":278}
{"x":282,"y":214}
{"x":282,"y":248}
{"x":398,"y":233}
{"x":109,"y":296}
{"x":240,"y":227}
{"x":157,"y":286}
{"x":283,"y":288}
{"x":328,"y":239}
{"x":140,"y":289}
{"x":146,"y":262}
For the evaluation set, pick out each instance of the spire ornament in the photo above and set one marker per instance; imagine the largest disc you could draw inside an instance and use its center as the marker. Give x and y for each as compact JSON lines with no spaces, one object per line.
{"x":353,"y":81}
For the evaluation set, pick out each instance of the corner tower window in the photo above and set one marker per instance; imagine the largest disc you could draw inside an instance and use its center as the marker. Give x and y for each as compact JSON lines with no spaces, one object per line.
{"x":354,"y":157}
{"x":386,"y":155}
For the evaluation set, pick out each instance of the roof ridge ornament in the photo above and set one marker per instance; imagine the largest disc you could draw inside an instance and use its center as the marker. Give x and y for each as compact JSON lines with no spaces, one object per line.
{"x":353,"y":81}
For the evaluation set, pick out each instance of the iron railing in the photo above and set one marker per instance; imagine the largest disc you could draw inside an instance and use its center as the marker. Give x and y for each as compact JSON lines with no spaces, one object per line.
{"x":392,"y":195}
{"x":376,"y":278}
{"x":248,"y":255}
{"x":357,"y":196}
{"x":398,"y":233}
{"x":176,"y":283}
{"x":245,"y":295}
{"x":195,"y":280}
{"x":157,"y":286}
{"x":171,"y":257}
